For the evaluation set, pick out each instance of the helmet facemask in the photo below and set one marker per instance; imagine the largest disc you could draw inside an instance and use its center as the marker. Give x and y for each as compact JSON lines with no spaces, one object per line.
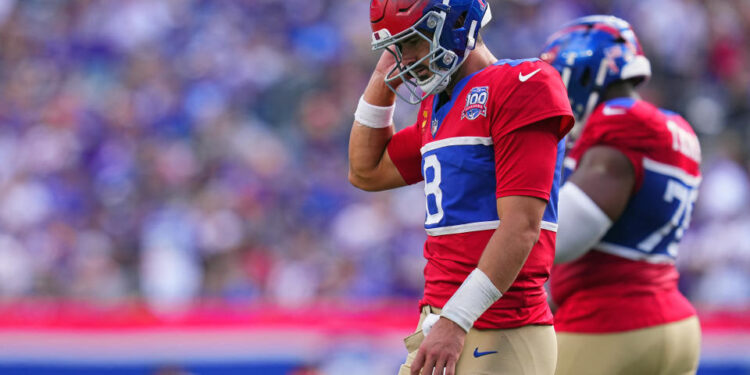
{"x":442,"y":62}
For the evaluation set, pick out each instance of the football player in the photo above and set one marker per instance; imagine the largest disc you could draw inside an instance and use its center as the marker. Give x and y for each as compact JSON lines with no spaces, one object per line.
{"x":488,"y":144}
{"x":634,"y":175}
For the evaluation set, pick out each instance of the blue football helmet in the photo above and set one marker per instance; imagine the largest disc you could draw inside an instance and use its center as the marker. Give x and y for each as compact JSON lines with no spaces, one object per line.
{"x":450,"y":26}
{"x":591,"y":53}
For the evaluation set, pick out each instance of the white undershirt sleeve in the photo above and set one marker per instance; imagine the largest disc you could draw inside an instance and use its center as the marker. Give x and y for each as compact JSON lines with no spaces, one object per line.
{"x":581,"y":224}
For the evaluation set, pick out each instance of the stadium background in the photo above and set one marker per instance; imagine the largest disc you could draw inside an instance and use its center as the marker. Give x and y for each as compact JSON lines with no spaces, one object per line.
{"x":173,"y":193}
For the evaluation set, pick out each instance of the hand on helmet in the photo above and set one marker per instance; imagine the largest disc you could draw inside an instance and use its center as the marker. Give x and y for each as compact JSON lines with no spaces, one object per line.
{"x":385,"y":65}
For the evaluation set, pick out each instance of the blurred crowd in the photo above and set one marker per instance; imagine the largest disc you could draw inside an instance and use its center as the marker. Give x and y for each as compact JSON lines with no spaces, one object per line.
{"x":185,"y":149}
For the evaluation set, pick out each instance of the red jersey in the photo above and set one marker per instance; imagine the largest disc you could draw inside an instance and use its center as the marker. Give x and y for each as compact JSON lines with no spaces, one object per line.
{"x":473,"y":149}
{"x":629,"y":280}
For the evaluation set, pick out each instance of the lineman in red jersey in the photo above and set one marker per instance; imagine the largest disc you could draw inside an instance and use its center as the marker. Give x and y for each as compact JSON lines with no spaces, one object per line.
{"x":623,"y":210}
{"x":488,"y":144}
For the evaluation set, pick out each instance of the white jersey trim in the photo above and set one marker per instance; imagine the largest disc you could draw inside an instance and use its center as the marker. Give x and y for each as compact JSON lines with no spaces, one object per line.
{"x":463,"y":228}
{"x":479,"y":226}
{"x":671,"y":171}
{"x":550,"y":226}
{"x":632,"y":254}
{"x":456,"y":141}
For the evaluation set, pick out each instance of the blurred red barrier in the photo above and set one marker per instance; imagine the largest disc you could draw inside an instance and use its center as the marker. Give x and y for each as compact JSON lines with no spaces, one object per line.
{"x":332,"y":315}
{"x":328,"y":315}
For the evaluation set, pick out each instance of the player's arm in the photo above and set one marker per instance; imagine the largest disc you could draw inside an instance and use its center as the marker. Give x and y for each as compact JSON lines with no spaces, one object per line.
{"x":594,"y":197}
{"x":510,"y":245}
{"x":525,"y":158}
{"x":370,"y":166}
{"x":501,"y":261}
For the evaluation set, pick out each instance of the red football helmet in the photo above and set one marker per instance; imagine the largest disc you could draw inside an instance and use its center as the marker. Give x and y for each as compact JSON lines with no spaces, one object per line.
{"x":450,"y":26}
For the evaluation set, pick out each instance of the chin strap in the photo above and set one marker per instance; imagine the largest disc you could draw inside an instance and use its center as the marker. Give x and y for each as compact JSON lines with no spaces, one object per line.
{"x":434,"y":84}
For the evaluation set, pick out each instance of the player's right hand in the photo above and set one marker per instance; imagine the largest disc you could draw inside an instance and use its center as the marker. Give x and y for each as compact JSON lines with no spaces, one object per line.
{"x":439,"y":352}
{"x":385,"y":66}
{"x":377,"y":92}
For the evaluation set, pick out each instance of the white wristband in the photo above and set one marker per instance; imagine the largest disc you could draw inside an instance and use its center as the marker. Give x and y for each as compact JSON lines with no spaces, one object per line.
{"x":428,"y":322}
{"x":471,"y":300}
{"x":373,"y":116}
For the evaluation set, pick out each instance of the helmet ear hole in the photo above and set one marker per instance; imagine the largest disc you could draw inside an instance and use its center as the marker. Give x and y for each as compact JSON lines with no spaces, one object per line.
{"x":460,"y":21}
{"x":586,"y":77}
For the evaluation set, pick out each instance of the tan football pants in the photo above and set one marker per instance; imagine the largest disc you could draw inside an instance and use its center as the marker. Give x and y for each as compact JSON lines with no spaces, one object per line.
{"x":528,"y":350}
{"x":669,"y":349}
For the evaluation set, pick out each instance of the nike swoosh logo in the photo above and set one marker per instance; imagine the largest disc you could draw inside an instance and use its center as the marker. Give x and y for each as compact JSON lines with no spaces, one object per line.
{"x":609,"y":111}
{"x":478,"y":354}
{"x":524,"y":78}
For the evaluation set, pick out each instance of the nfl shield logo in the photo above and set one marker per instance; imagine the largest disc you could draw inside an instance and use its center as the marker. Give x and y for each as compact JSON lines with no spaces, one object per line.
{"x":434,"y":126}
{"x":476,"y":103}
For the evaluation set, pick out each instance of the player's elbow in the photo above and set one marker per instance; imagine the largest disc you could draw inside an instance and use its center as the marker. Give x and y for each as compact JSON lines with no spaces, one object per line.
{"x":360,"y":181}
{"x":528,"y":231}
{"x":530,"y":234}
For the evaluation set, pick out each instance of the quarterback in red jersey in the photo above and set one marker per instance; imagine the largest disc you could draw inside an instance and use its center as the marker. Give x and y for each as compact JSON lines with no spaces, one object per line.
{"x":633,"y":179}
{"x":488,"y":144}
